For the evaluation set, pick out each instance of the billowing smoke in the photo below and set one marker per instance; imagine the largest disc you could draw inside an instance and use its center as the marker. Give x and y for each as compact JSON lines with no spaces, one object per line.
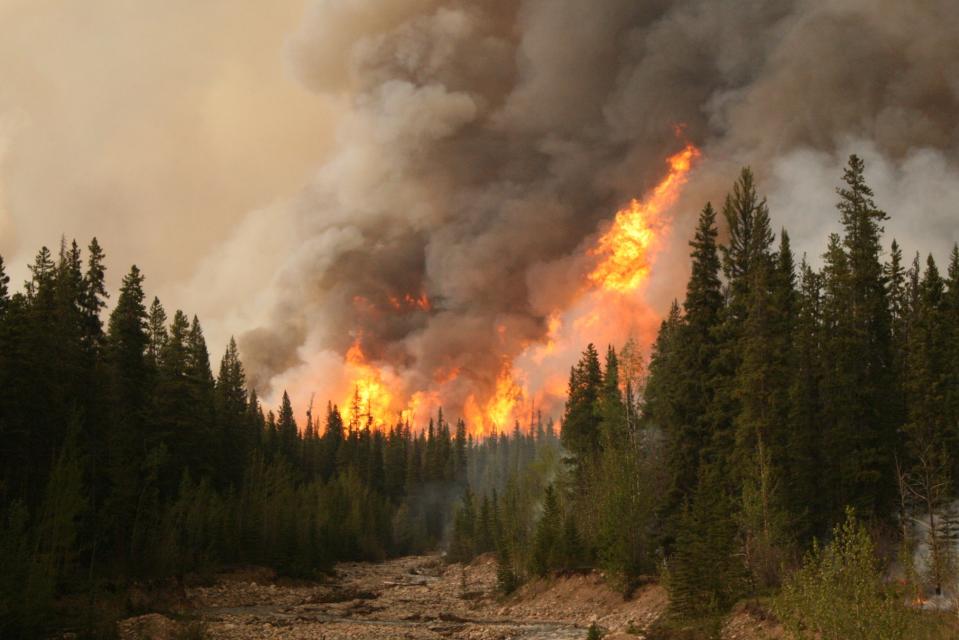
{"x":486,"y":143}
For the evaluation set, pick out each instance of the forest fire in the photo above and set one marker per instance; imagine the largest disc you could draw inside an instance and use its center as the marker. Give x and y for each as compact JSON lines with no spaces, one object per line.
{"x":609,"y":307}
{"x":627,"y":247}
{"x":498,"y":412}
{"x":370,"y":397}
{"x":410,"y":302}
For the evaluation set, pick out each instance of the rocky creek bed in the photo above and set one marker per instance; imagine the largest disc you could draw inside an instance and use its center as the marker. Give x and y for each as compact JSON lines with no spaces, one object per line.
{"x":418,"y":597}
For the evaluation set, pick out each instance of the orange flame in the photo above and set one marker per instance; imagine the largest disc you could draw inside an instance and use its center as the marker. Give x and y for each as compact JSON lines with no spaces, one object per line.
{"x":370,"y":398}
{"x":409,"y":302}
{"x":624,"y":256}
{"x":627,"y":245}
{"x":498,"y":411}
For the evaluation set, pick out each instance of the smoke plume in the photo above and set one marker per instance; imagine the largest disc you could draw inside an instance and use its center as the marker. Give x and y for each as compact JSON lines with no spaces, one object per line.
{"x":486,"y":144}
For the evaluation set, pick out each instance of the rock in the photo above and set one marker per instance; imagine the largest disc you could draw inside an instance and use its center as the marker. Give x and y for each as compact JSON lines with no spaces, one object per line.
{"x":151,"y":626}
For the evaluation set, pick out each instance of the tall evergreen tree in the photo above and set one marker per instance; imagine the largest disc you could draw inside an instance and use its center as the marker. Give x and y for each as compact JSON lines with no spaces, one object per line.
{"x":157,"y":333}
{"x":748,"y":248}
{"x":4,"y":288}
{"x":94,"y":292}
{"x":287,"y":430}
{"x":233,"y":436}
{"x":803,"y":434}
{"x":695,"y":356}
{"x":860,"y":428}
{"x":129,"y":388}
{"x":581,"y":432}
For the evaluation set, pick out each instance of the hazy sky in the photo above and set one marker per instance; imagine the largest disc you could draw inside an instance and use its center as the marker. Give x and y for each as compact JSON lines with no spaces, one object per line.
{"x":281,"y":168}
{"x":156,"y":126}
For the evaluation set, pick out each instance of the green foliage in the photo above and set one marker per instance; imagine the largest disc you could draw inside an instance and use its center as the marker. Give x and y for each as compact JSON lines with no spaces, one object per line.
{"x":126,"y":458}
{"x":594,"y":632}
{"x":769,"y":405}
{"x":547,"y":539}
{"x":506,"y":579}
{"x":581,"y":430}
{"x":705,"y":574}
{"x":839,"y":593}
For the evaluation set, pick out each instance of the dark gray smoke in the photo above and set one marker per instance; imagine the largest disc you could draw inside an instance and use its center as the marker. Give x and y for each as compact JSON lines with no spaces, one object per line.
{"x":487,"y":141}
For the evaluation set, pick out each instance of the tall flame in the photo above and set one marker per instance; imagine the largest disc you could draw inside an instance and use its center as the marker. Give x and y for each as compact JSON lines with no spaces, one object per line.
{"x":627,"y":246}
{"x":495,"y":415}
{"x":606,"y":309}
{"x":370,"y":397}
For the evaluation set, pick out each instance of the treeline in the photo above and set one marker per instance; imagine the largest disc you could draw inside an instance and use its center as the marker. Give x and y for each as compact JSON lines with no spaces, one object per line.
{"x":778,"y":396}
{"x":125,"y":458}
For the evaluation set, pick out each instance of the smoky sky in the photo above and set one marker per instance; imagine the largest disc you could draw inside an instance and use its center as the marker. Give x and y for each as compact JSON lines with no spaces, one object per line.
{"x":486,"y":143}
{"x":478,"y":146}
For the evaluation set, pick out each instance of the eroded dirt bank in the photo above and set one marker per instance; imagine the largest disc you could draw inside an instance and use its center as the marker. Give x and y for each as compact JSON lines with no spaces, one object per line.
{"x":416,"y":597}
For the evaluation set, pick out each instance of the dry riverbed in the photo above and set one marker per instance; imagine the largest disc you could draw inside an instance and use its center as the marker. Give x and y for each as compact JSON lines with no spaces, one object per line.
{"x":417,"y":597}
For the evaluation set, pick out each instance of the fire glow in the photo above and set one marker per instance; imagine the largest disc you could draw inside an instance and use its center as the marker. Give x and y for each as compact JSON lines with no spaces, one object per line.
{"x":627,"y":248}
{"x":609,"y":306}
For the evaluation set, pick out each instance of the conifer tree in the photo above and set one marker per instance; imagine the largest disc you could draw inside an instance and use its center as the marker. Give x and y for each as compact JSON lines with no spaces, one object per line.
{"x":547,"y":538}
{"x":696,"y":352}
{"x":801,"y":461}
{"x":202,"y":391}
{"x":748,"y":249}
{"x":950,"y":330}
{"x":157,"y":332}
{"x":760,"y":381}
{"x":580,"y":433}
{"x":129,"y":387}
{"x":232,"y":435}
{"x":705,"y":576}
{"x":94,"y":292}
{"x":287,"y":431}
{"x":4,"y":288}
{"x":860,"y":434}
{"x":610,"y":404}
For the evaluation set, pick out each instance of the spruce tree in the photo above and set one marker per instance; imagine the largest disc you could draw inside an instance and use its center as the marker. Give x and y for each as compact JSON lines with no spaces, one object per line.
{"x":801,"y":462}
{"x":547,"y":537}
{"x":157,"y":332}
{"x":950,"y":335}
{"x":94,"y":292}
{"x":705,"y":575}
{"x":762,"y":385}
{"x":581,"y":421}
{"x":287,"y":431}
{"x":860,"y":432}
{"x":748,"y":249}
{"x":695,"y":351}
{"x":129,"y":387}
{"x":4,"y":288}
{"x":232,"y":435}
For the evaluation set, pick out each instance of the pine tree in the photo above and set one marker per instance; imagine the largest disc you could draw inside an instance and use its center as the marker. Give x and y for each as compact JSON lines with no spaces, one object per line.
{"x":664,"y":408}
{"x":801,"y":461}
{"x":544,"y":555}
{"x":463,"y":544}
{"x":762,"y":388}
{"x":202,"y":390}
{"x":4,"y":289}
{"x":950,"y":336}
{"x":696,"y":352}
{"x":287,"y":430}
{"x":611,"y":407}
{"x":705,"y":576}
{"x":129,"y":386}
{"x":233,"y":436}
{"x":94,"y":292}
{"x":580,"y":433}
{"x":860,"y":434}
{"x":748,"y":249}
{"x":172,"y":416}
{"x":157,"y":332}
